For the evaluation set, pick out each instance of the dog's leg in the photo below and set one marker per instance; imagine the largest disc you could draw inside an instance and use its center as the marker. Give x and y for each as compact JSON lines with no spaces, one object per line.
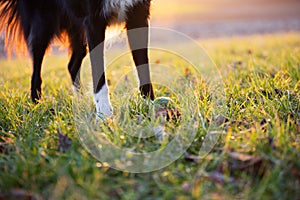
{"x":78,"y":47}
{"x":37,"y":41}
{"x":96,"y":27}
{"x":138,"y":30}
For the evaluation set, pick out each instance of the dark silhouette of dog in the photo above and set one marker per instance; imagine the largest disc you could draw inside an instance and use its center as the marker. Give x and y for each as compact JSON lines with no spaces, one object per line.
{"x":84,"y":22}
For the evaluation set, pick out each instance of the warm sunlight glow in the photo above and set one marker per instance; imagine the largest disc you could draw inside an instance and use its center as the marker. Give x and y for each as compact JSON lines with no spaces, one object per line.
{"x":216,"y":10}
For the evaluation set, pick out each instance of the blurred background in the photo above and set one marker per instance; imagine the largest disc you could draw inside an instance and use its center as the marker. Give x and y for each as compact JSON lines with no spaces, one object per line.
{"x":223,"y":18}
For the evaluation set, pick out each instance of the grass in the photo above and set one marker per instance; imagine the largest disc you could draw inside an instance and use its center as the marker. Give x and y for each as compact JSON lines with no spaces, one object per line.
{"x":257,"y":157}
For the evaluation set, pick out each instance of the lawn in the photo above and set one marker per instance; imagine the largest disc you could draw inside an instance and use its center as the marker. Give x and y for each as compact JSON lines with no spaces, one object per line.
{"x":256,"y":156}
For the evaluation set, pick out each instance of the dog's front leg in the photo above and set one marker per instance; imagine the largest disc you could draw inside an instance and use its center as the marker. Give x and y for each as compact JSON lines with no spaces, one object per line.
{"x":138,"y":31}
{"x":95,"y":27}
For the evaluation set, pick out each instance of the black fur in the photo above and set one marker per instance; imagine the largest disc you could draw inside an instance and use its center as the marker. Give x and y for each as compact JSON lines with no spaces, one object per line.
{"x":39,"y":21}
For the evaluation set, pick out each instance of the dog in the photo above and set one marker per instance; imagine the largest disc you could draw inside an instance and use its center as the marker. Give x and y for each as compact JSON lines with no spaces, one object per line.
{"x":85,"y":23}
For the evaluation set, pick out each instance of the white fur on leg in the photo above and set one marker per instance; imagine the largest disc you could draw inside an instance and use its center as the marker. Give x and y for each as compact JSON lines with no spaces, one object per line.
{"x":103,"y":106}
{"x":75,"y":90}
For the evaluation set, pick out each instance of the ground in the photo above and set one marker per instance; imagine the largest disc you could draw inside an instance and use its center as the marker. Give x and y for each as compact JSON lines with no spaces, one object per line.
{"x":256,"y":156}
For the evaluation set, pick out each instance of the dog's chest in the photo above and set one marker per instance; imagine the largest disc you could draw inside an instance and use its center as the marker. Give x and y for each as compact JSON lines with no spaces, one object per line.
{"x":118,"y":8}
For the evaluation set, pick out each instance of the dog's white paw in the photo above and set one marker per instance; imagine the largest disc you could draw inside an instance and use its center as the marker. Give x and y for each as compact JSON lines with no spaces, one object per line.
{"x":102,"y":101}
{"x":76,"y":91}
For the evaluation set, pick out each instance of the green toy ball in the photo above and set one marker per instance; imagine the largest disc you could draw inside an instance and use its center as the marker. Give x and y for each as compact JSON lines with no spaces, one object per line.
{"x":163,"y":102}
{"x":166,"y":108}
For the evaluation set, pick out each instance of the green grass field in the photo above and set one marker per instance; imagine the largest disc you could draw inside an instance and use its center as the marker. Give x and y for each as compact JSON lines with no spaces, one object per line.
{"x":257,"y":156}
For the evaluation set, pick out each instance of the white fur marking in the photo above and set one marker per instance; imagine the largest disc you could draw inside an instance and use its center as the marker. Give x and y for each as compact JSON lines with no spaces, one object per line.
{"x":103,"y":105}
{"x":75,"y":90}
{"x":118,"y":7}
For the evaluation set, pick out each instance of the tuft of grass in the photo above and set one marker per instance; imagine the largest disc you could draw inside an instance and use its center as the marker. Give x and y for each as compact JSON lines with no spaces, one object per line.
{"x":256,"y":157}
